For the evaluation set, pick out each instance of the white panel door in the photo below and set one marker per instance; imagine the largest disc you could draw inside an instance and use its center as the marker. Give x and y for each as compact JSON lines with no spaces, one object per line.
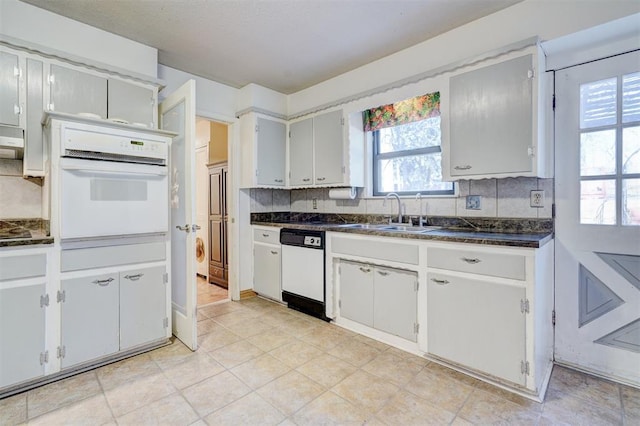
{"x":267,"y":270}
{"x":597,"y":127}
{"x":395,"y":306}
{"x":177,"y":114}
{"x":356,"y":292}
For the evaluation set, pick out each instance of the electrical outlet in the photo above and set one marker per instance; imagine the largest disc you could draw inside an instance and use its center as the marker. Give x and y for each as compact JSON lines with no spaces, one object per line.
{"x":537,"y":198}
{"x":473,"y":202}
{"x":315,"y":203}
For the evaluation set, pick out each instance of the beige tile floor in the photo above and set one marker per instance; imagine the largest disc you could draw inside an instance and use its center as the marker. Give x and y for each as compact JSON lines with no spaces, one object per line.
{"x":209,"y":293}
{"x":261,"y":364}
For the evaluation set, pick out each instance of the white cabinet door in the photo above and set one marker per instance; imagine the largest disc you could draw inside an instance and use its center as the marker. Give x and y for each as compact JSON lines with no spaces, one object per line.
{"x":395,"y":304}
{"x":478,"y":324}
{"x":267,"y":270}
{"x":130,"y":102}
{"x":328,"y":145}
{"x":143,"y":308}
{"x":271,"y":152}
{"x":301,"y":153}
{"x":77,"y":92}
{"x":491,"y":119}
{"x":22,"y":333}
{"x":89,"y":318}
{"x":34,"y":144}
{"x":356,"y":292}
{"x":9,"y":84}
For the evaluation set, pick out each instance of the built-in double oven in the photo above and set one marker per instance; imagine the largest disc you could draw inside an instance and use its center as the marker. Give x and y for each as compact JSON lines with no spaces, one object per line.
{"x":113,"y":182}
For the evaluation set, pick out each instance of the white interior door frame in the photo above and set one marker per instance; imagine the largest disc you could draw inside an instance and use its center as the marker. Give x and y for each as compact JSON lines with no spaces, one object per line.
{"x":233,"y":188}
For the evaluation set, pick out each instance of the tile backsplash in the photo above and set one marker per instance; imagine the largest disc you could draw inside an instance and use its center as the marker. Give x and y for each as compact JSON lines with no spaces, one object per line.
{"x":505,"y":198}
{"x":19,"y":197}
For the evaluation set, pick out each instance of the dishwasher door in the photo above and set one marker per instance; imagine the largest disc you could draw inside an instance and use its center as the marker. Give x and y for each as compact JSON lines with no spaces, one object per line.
{"x":303,"y":272}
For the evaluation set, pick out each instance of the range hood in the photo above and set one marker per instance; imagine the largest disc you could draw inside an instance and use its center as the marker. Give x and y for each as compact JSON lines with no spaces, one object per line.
{"x":11,"y":142}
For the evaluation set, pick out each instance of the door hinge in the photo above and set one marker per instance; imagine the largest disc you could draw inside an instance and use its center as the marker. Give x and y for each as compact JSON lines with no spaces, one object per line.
{"x":44,"y":357}
{"x":553,"y":102}
{"x":289,"y":134}
{"x":553,"y":317}
{"x":62,"y":351}
{"x":340,"y":303}
{"x":44,"y":300}
{"x":416,"y":328}
{"x":524,"y":306}
{"x":165,"y":322}
{"x":342,"y":121}
{"x":531,"y":74}
{"x":416,"y":286}
{"x":524,"y":367}
{"x":61,"y":296}
{"x":339,"y":269}
{"x":52,"y":79}
{"x":257,"y":128}
{"x":344,"y":170}
{"x":17,"y":72}
{"x":165,"y":277}
{"x":530,"y":151}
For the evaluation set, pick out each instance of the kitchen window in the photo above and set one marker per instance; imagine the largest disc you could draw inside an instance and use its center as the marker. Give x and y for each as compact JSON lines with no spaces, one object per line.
{"x":406,"y":147}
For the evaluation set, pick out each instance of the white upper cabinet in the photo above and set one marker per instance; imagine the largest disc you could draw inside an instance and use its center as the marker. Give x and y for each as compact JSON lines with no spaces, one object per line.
{"x":496,"y":125}
{"x":131,"y":102}
{"x":321,"y":155}
{"x":263,"y":150}
{"x":9,"y":89}
{"x":74,"y":92}
{"x":301,"y":153}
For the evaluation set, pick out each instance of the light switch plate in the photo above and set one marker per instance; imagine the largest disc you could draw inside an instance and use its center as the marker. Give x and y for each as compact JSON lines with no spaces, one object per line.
{"x":473,"y":202}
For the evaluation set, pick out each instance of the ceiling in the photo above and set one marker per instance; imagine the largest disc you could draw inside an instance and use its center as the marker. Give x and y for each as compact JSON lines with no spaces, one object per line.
{"x":285,"y":45}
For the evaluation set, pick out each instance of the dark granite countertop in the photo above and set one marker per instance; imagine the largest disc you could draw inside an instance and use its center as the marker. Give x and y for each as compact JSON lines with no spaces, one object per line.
{"x":24,"y":232}
{"x":529,"y":233}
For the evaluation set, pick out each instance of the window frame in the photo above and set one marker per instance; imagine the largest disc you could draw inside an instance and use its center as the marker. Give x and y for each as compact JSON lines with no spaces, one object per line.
{"x":375,"y":175}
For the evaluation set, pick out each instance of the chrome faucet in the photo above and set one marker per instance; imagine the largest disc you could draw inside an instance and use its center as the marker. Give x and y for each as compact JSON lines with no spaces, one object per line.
{"x":393,"y":194}
{"x":419,"y":198}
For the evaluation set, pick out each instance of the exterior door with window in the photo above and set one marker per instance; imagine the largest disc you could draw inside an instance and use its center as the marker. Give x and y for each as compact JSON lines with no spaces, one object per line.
{"x":597,"y":277}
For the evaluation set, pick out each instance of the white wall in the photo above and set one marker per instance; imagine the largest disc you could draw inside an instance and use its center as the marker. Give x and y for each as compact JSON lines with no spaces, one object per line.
{"x":548,"y":19}
{"x":213,"y":100}
{"x":38,"y":26}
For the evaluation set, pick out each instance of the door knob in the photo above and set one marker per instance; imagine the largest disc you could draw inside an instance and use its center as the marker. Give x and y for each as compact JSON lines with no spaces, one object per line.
{"x":195,"y":228}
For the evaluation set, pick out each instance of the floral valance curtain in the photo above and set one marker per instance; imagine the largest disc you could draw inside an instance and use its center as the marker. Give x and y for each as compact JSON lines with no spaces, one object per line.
{"x":403,"y":112}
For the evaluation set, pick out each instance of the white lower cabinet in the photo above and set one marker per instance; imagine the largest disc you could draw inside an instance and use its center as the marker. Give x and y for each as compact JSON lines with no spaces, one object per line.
{"x":143,"y":306}
{"x":267,"y":262}
{"x":23,"y":305}
{"x":380,"y":297}
{"x":89,"y":318}
{"x":22,"y":348}
{"x":477,"y":323}
{"x":107,"y":313}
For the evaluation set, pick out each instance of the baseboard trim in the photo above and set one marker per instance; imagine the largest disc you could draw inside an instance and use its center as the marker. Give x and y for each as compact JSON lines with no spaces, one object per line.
{"x":247,"y":294}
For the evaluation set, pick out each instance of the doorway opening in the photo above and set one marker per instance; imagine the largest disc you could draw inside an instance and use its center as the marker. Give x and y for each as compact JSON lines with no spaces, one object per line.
{"x":212,"y":238}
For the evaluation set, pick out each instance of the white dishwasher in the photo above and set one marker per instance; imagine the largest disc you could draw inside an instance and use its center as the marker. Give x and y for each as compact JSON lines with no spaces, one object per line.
{"x":303,"y":275}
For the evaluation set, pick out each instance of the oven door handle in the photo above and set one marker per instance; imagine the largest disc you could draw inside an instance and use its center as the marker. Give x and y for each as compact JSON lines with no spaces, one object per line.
{"x":84,"y":169}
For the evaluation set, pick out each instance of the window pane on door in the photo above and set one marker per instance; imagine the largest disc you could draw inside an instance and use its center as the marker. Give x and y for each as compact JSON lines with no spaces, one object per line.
{"x":598,"y":103}
{"x":598,"y":202}
{"x":631,"y":202}
{"x":631,"y":150}
{"x":598,"y":153}
{"x":631,"y":97}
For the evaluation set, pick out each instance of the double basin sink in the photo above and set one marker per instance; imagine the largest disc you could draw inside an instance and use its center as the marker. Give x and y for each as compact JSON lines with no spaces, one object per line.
{"x":392,"y":227}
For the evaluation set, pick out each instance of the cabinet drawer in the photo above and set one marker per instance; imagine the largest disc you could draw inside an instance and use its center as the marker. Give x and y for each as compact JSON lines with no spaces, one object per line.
{"x":16,"y":267}
{"x":215,"y":272}
{"x":100,"y":257}
{"x":271,"y":236}
{"x":376,"y":248}
{"x":493,"y":264}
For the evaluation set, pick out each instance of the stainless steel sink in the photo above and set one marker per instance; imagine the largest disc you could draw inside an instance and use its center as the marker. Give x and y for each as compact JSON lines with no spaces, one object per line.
{"x":392,"y":228}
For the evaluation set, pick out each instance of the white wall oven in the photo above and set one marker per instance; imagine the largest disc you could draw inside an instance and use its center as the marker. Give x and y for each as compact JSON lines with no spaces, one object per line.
{"x":113,"y":182}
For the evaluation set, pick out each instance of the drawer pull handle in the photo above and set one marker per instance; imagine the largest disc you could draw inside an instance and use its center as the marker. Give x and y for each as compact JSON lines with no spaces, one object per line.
{"x":471,"y":260}
{"x":274,"y":252}
{"x":465,"y":167}
{"x":365,"y":270}
{"x":135,"y":277}
{"x":320,"y":179}
{"x":440,"y":282}
{"x":103,"y":283}
{"x":265,"y":235}
{"x":383,"y":273}
{"x":306,"y":180}
{"x":278,"y":180}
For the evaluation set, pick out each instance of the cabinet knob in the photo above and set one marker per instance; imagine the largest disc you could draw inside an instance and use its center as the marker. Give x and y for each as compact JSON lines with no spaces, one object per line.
{"x":465,"y":167}
{"x":440,"y":282}
{"x":471,"y":260}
